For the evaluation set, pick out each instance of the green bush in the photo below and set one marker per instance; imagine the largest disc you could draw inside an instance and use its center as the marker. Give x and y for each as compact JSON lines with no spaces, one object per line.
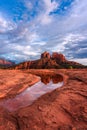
{"x":70,"y":67}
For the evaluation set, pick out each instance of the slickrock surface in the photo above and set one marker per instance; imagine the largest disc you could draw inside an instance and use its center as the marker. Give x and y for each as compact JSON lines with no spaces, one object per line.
{"x":13,"y":82}
{"x":63,"y":109}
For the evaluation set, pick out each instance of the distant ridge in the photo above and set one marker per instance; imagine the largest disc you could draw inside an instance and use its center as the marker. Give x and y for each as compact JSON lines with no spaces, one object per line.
{"x":47,"y":61}
{"x":5,"y":63}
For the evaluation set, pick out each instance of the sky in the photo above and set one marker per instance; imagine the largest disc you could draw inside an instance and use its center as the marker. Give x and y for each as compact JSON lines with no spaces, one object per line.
{"x":30,"y":27}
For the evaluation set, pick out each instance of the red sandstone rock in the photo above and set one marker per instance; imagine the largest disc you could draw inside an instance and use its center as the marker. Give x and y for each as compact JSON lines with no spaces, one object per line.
{"x":13,"y":82}
{"x":59,"y":57}
{"x":45,"y":55}
{"x":4,"y":62}
{"x":56,"y":61}
{"x":63,"y":109}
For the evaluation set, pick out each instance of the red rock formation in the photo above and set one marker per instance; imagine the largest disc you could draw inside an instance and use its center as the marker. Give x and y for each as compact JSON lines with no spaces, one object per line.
{"x":5,"y":63}
{"x":43,"y":63}
{"x":56,"y":61}
{"x":58,"y":56}
{"x":45,"y":55}
{"x":62,"y":109}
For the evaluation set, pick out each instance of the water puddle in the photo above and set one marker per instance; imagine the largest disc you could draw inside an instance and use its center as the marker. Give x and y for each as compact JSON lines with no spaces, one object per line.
{"x":47,"y":84}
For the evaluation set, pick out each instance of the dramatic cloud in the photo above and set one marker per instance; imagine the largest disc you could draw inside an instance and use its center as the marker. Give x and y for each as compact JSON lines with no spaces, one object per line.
{"x":49,"y":7}
{"x":5,"y":25}
{"x":46,"y":25}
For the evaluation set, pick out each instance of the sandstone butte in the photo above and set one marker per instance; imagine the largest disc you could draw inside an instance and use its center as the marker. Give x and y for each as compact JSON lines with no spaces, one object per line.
{"x":48,"y":61}
{"x":62,"y":109}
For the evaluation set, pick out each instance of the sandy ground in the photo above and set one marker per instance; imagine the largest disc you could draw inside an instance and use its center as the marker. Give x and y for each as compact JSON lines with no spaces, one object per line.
{"x":63,"y":109}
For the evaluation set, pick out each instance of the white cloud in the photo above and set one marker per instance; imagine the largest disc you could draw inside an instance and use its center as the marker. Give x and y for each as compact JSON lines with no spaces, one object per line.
{"x":80,"y":60}
{"x":64,"y":33}
{"x":46,"y":19}
{"x":6,"y":25}
{"x":74,"y":38}
{"x":49,"y":7}
{"x":81,"y":50}
{"x":70,"y":39}
{"x":32,"y":37}
{"x":28,"y":4}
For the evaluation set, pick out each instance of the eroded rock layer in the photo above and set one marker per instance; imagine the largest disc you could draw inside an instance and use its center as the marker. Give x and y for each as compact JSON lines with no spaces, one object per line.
{"x":63,"y":109}
{"x":47,"y":61}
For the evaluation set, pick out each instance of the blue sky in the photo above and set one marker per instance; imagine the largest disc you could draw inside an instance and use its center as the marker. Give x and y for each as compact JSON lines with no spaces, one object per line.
{"x":30,"y":27}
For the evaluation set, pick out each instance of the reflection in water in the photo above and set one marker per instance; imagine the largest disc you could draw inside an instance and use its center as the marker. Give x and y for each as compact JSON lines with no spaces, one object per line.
{"x":26,"y":98}
{"x":55,"y":78}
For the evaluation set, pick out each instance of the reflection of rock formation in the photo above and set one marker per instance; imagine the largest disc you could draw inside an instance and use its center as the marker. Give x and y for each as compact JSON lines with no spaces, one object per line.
{"x":45,"y":79}
{"x":55,"y":78}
